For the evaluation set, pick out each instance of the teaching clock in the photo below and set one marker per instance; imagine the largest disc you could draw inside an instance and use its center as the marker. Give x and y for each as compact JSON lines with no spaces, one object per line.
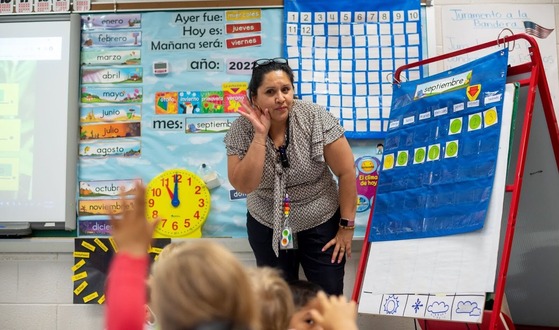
{"x":181,"y":201}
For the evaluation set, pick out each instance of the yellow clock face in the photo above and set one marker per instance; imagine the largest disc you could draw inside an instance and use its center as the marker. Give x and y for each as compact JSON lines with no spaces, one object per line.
{"x":181,"y":201}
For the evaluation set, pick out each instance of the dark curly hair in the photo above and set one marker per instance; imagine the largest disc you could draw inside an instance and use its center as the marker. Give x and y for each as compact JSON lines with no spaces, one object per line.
{"x":259,"y":71}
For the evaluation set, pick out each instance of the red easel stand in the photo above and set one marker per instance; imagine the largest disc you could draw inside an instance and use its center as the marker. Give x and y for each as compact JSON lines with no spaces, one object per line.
{"x":535,"y":81}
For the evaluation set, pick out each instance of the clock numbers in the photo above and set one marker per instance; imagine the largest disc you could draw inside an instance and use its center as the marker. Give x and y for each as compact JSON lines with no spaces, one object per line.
{"x":175,"y":224}
{"x":181,"y":200}
{"x":165,"y":181}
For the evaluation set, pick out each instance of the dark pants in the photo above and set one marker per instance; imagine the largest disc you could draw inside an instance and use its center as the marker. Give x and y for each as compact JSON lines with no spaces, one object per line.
{"x":317,"y":265}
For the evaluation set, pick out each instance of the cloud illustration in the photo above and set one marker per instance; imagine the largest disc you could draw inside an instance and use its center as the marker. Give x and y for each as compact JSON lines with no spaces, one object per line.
{"x":466,"y":306}
{"x":438,"y":307}
{"x":475,"y":312}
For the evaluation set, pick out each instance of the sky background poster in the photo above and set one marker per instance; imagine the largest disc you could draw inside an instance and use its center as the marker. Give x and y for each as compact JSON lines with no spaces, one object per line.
{"x":158,"y":92}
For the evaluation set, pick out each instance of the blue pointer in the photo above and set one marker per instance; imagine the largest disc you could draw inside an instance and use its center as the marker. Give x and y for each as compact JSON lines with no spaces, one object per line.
{"x":175,"y":201}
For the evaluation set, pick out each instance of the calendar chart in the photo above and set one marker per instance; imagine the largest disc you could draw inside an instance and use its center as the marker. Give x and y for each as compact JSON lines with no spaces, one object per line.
{"x":343,"y":55}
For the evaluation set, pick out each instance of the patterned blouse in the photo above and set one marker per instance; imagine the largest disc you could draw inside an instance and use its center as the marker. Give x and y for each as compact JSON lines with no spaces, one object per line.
{"x":308,"y":181}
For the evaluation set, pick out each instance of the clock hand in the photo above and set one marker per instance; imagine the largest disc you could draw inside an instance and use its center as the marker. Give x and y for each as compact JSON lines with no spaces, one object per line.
{"x":169,"y":191}
{"x":175,"y":201}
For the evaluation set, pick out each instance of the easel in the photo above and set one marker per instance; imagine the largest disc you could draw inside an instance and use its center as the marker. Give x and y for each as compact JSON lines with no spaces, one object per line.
{"x":535,"y":81}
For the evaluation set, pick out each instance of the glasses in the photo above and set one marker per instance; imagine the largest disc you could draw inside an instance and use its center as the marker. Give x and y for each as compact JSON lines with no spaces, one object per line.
{"x":282,"y":151}
{"x":266,"y":61}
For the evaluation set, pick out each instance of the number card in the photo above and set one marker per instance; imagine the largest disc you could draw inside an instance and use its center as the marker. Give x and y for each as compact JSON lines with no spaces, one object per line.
{"x":24,"y":6}
{"x":61,"y":5}
{"x":344,"y":54}
{"x":42,"y":6}
{"x":82,"y":5}
{"x":6,"y":6}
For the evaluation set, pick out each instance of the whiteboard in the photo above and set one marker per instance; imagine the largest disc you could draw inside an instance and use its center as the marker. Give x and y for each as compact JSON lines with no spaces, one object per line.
{"x":444,"y":267}
{"x":39,"y":87}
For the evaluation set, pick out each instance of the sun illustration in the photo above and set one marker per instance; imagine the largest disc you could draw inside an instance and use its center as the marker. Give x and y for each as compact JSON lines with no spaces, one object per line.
{"x":391,"y":304}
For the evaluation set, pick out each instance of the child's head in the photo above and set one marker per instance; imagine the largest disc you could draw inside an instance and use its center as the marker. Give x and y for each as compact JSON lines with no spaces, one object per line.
{"x":274,"y":297}
{"x":304,"y":295}
{"x":202,"y":282}
{"x":165,"y":253}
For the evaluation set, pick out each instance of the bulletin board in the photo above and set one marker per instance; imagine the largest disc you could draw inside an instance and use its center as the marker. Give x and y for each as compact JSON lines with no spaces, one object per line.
{"x":158,"y":92}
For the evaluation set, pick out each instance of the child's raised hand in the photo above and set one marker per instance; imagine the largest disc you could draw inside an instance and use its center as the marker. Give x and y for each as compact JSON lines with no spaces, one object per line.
{"x":131,"y":231}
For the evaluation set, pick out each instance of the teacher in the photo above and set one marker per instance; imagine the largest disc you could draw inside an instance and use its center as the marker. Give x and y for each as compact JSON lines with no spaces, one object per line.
{"x":283,"y":153}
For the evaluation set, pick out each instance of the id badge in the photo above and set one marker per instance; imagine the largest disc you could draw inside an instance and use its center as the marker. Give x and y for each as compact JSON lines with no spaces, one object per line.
{"x":286,"y":241}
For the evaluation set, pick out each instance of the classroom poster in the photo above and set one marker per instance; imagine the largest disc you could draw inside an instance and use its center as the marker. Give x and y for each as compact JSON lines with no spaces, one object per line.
{"x":367,"y":168}
{"x":488,"y":22}
{"x":159,"y":90}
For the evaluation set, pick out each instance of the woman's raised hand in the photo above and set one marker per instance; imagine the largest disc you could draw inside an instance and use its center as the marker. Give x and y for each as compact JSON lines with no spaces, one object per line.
{"x":260,"y":118}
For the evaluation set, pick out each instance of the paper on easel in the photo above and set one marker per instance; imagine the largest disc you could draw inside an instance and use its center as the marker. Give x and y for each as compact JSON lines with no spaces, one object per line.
{"x":486,"y":22}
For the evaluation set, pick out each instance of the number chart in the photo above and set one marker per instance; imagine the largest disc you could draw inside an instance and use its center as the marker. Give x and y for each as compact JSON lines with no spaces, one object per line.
{"x":343,"y":55}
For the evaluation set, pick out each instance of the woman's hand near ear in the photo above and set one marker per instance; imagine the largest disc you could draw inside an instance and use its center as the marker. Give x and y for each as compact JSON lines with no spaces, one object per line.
{"x":260,"y":118}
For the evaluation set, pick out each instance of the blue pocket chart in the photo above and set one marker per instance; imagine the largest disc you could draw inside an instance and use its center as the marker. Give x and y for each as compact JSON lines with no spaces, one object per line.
{"x":440,"y":152}
{"x":343,"y":51}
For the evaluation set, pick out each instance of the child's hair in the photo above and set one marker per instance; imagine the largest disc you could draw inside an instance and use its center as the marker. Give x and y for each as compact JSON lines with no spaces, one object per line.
{"x":303,"y":292}
{"x":274,"y":298}
{"x":165,"y":253}
{"x":202,"y":283}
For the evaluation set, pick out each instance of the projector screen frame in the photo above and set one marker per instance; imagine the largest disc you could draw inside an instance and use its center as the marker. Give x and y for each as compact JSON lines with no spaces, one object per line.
{"x":69,"y":163}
